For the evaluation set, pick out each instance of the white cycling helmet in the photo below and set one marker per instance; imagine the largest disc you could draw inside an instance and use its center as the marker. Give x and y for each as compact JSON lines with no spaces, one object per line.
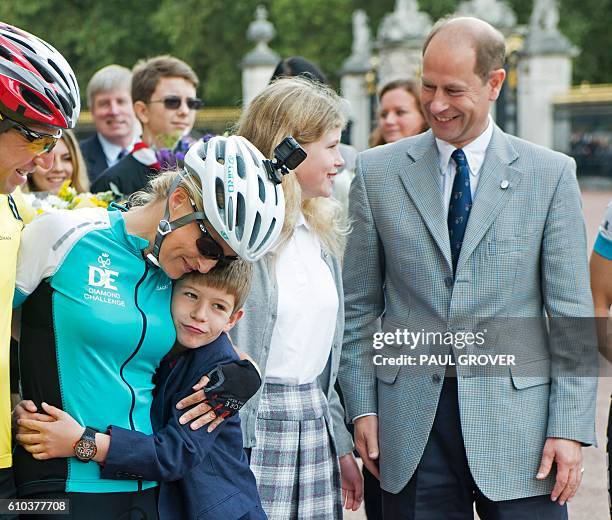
{"x":240,"y":201}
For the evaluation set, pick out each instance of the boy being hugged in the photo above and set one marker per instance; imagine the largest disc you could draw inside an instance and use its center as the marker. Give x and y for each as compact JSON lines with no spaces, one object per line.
{"x":204,"y":473}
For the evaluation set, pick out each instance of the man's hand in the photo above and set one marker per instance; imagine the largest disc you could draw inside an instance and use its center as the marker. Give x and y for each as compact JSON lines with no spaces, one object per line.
{"x":567,"y":455}
{"x":352,"y":482}
{"x":366,"y":442}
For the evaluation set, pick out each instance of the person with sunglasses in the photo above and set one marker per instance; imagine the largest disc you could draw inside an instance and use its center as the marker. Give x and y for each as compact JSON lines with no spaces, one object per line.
{"x":36,"y":102}
{"x":95,"y":286}
{"x":165,"y":103}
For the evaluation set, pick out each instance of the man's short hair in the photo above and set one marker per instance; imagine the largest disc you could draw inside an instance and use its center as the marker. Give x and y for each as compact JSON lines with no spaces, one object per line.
{"x":111,"y":77}
{"x":147,"y":73}
{"x":232,"y":277}
{"x":488,"y":43}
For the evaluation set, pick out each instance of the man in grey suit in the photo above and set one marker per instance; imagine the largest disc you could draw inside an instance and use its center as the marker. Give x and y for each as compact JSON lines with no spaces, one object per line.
{"x":454,"y":229}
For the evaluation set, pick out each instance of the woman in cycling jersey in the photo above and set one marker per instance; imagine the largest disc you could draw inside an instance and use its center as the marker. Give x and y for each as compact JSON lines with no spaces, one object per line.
{"x":95,"y":289}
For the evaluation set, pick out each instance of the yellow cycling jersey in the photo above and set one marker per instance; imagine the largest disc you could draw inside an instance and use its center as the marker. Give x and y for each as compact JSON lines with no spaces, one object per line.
{"x":10,"y":231}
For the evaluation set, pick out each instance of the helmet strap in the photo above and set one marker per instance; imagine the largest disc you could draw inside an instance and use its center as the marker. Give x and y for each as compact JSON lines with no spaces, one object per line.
{"x":164,"y":227}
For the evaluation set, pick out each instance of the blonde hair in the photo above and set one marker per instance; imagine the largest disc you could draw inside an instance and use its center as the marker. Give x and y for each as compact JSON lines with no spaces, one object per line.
{"x":232,"y":277}
{"x":158,"y":188}
{"x":305,"y":110}
{"x":79,"y":179}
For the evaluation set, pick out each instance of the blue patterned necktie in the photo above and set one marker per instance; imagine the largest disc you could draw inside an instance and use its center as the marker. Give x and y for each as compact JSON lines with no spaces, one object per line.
{"x":122,"y":154}
{"x":460,"y":205}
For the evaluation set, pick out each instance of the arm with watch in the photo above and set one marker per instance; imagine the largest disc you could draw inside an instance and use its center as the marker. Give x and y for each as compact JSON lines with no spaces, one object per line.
{"x":126,"y":454}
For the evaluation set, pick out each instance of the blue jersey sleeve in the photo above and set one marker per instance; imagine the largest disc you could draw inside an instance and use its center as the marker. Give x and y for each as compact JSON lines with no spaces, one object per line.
{"x":603,"y":243}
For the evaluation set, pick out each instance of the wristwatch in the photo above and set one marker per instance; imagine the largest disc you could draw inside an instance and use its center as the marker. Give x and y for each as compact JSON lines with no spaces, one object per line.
{"x":85,"y":448}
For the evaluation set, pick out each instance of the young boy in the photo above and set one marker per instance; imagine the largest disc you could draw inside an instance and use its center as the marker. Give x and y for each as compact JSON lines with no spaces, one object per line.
{"x":203,"y":475}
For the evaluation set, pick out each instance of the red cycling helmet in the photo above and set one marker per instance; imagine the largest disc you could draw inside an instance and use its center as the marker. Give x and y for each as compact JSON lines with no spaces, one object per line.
{"x":36,"y":83}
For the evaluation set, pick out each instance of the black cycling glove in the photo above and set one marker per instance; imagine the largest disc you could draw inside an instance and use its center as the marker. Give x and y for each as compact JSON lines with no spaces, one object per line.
{"x":231,"y":386}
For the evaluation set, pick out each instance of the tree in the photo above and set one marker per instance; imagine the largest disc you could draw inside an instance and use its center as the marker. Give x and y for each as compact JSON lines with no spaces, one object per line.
{"x":211,"y":35}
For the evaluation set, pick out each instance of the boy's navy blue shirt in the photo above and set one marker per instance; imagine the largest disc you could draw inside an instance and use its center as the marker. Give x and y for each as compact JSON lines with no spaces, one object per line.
{"x":202,"y":475}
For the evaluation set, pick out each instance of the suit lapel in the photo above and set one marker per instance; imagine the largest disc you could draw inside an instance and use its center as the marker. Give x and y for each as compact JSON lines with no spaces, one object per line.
{"x":497,"y":182}
{"x":423,"y":182}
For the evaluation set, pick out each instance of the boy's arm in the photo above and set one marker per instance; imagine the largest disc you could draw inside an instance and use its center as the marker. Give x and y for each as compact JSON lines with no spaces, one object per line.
{"x":165,"y":456}
{"x":124,"y":454}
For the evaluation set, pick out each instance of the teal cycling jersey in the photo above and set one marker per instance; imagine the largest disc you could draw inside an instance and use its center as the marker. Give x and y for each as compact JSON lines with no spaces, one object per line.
{"x":95,"y":325}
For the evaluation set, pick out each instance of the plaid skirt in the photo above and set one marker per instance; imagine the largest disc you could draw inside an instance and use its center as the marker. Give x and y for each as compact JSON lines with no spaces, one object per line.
{"x":295,"y":461}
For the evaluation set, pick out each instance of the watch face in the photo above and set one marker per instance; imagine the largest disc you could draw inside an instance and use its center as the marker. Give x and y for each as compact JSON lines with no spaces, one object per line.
{"x":85,"y":450}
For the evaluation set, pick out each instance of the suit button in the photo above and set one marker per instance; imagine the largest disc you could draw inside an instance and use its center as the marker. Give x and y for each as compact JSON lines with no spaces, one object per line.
{"x":449,"y":282}
{"x":435,"y":378}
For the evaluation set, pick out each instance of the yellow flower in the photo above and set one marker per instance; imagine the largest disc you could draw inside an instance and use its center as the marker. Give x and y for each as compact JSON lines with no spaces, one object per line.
{"x":67,"y":192}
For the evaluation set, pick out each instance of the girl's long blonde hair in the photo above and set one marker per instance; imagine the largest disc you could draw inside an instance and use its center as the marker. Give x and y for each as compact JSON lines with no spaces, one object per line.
{"x":305,"y":110}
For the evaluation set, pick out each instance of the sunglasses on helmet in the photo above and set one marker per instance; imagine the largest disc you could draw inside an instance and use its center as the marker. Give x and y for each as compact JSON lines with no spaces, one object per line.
{"x":40,"y":142}
{"x":174,"y":102}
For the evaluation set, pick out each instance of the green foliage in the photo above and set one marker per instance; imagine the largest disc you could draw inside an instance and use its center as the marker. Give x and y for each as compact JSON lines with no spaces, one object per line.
{"x":210,"y":35}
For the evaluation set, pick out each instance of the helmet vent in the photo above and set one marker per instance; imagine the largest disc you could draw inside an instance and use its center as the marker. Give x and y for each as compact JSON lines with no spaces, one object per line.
{"x":34,"y":101}
{"x":5,"y":53}
{"x":220,"y":194}
{"x":58,"y":70}
{"x":230,"y":214}
{"x":65,"y":103}
{"x":220,"y":152}
{"x":262,"y":190}
{"x":19,"y":41}
{"x":255,"y":158}
{"x":270,"y":230}
{"x":240,"y":216}
{"x":255,"y":231}
{"x":42,"y":70}
{"x":240,"y":167}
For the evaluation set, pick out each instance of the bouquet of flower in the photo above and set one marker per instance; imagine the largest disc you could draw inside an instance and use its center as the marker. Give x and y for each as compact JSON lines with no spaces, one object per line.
{"x":67,"y":198}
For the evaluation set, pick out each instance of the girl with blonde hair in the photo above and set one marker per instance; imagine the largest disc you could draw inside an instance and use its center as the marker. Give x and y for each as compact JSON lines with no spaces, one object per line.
{"x":300,"y":449}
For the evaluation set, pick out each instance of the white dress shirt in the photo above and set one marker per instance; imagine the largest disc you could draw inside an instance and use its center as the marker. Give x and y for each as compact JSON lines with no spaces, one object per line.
{"x":474,"y":153}
{"x":112,"y":150}
{"x":306,"y":314}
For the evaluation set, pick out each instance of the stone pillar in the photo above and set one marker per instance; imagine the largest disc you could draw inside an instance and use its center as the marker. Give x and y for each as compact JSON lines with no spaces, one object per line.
{"x":259,"y":64}
{"x":354,"y":85}
{"x":400,"y":40}
{"x":495,"y":12}
{"x":544,"y":71}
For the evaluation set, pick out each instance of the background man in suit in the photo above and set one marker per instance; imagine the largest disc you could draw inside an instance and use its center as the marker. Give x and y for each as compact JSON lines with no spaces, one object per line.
{"x":110,"y":102}
{"x":455,"y":228}
{"x":165,"y":103}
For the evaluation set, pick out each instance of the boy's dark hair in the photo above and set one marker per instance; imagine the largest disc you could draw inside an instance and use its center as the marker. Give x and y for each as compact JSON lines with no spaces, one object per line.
{"x":147,"y":73}
{"x":233,"y":277}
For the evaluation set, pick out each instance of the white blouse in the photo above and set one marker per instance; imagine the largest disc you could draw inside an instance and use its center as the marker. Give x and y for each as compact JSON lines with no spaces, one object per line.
{"x":306,"y":313}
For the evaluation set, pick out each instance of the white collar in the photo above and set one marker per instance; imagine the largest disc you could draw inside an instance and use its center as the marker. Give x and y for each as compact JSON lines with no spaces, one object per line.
{"x":301,"y":221}
{"x":475,"y":151}
{"x":112,"y":150}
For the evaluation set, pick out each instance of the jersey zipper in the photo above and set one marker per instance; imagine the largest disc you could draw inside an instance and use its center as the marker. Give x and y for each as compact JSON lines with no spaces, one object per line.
{"x":133,"y":354}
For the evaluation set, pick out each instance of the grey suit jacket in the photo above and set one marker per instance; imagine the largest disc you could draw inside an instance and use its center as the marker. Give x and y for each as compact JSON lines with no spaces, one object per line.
{"x":524,"y":253}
